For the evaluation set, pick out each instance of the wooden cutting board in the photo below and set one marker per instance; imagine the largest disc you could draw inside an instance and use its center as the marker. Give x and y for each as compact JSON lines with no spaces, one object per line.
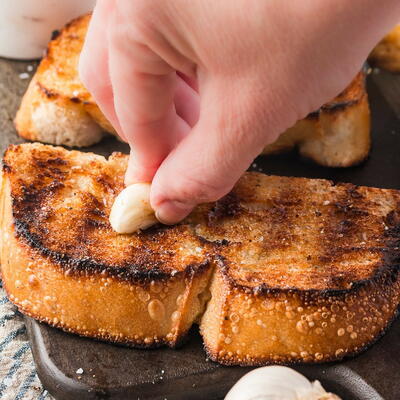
{"x":115,"y":372}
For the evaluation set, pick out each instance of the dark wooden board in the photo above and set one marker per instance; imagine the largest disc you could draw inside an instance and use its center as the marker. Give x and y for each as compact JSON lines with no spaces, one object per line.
{"x":115,"y":372}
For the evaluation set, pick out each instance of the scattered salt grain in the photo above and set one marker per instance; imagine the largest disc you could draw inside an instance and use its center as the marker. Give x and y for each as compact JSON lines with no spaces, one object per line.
{"x":79,"y":371}
{"x":29,"y":68}
{"x":24,"y":75}
{"x":7,"y":381}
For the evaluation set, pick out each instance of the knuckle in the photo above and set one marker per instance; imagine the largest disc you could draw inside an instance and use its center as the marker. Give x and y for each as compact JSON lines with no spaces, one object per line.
{"x":132,"y":21}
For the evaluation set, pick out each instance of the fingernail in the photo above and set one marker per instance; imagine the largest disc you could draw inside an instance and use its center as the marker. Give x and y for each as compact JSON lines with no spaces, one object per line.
{"x":172,"y":211}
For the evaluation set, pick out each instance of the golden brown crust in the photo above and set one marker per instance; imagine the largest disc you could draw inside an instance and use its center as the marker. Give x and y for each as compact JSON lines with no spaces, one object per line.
{"x":57,"y":108}
{"x":60,"y":188}
{"x":337,"y":135}
{"x":138,"y":292}
{"x":302,"y":270}
{"x":386,"y":54}
{"x":58,"y":71}
{"x":240,"y":327}
{"x":278,"y":233}
{"x":47,"y":116}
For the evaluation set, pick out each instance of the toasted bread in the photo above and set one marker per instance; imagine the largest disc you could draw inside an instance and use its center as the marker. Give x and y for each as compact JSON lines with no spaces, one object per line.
{"x":310,"y":274}
{"x":63,"y":264}
{"x":57,"y":108}
{"x":386,"y":54}
{"x":337,"y":135}
{"x":299,"y":270}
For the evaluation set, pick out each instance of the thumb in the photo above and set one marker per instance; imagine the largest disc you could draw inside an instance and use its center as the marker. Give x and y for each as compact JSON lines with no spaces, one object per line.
{"x":207,"y":163}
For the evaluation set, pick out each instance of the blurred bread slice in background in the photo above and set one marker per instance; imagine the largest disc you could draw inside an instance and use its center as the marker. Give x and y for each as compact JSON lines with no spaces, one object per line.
{"x":57,"y":108}
{"x":336,"y":135}
{"x":386,"y":54}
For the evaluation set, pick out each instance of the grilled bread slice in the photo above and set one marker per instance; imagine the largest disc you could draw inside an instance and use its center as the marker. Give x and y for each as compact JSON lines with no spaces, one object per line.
{"x":299,"y":270}
{"x":386,"y":54}
{"x":63,"y":264}
{"x":337,"y":135}
{"x":311,"y":273}
{"x":58,"y":109}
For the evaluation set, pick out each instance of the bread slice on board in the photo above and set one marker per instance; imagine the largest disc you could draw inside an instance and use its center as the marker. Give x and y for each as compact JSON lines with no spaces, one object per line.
{"x":310,"y":274}
{"x":298,"y":270}
{"x":63,"y":264}
{"x":386,"y":54}
{"x":337,"y":135}
{"x":57,"y":109}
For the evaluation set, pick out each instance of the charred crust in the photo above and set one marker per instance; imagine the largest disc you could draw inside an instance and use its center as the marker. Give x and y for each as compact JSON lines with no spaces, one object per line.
{"x":228,"y":206}
{"x":334,"y":107}
{"x":86,"y":266}
{"x":47,"y":92}
{"x":55,"y":34}
{"x":386,"y":273}
{"x":339,"y":106}
{"x":75,"y":21}
{"x":106,"y":181}
{"x":6,"y":168}
{"x":350,"y":97}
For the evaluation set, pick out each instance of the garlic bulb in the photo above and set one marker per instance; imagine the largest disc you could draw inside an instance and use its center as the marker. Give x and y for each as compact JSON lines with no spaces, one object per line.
{"x":277,"y":383}
{"x":131,"y":210}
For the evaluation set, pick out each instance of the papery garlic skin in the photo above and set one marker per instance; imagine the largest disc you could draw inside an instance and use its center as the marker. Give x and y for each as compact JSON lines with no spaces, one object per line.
{"x":131,"y":210}
{"x":277,"y":383}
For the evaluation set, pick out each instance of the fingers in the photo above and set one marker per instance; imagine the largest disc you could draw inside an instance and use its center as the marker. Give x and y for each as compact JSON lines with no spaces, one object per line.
{"x":93,"y":62}
{"x":187,"y":102}
{"x":208,"y":162}
{"x":144,"y":88}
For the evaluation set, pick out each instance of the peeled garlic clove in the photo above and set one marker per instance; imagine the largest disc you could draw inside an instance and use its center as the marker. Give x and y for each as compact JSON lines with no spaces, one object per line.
{"x":131,"y":210}
{"x":277,"y":383}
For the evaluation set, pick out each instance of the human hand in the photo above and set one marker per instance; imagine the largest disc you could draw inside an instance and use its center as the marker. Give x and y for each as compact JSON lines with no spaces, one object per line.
{"x":198,"y":88}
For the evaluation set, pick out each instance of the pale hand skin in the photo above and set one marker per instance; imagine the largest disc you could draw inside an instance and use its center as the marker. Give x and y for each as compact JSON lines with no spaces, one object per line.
{"x":199,"y":87}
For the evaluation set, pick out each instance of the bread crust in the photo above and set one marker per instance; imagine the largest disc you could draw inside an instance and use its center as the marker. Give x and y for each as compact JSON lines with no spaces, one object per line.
{"x":49,"y":117}
{"x":293,"y":326}
{"x":142,"y":298}
{"x":56,"y":107}
{"x":298,"y":270}
{"x":337,"y":135}
{"x":386,"y":54}
{"x":311,"y":274}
